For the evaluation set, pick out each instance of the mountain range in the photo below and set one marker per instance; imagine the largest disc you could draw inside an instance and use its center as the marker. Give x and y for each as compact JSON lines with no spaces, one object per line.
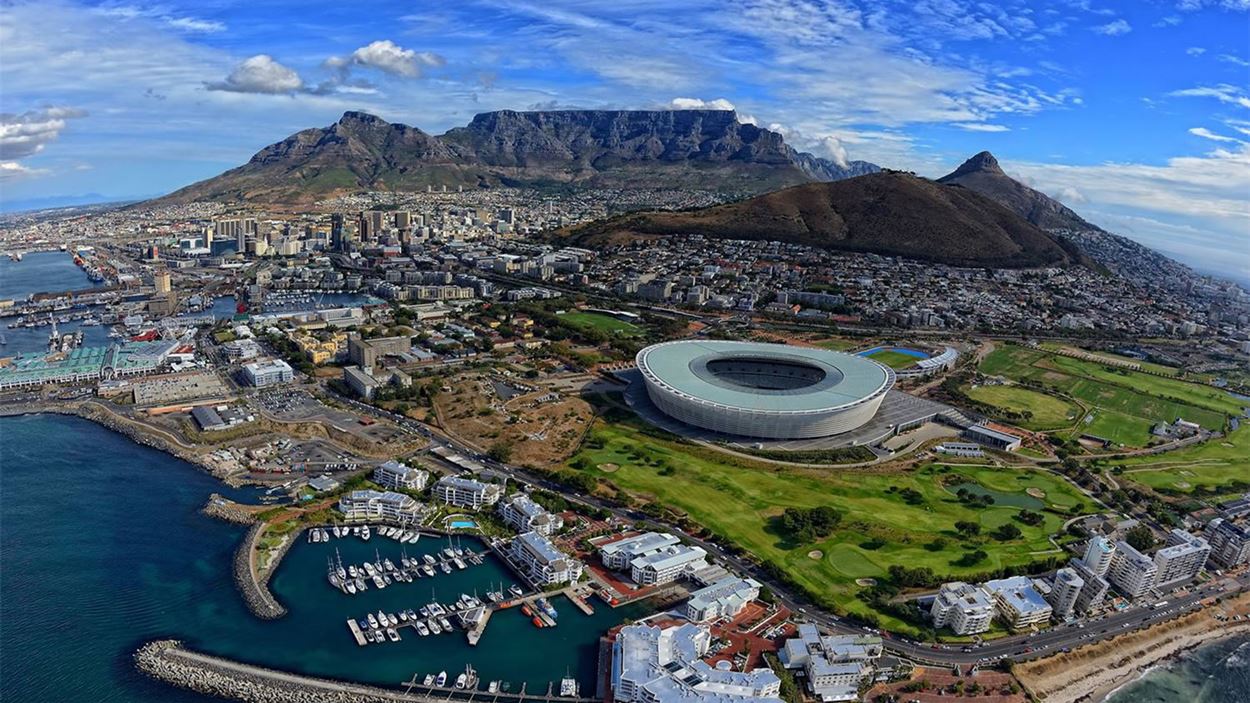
{"x":695,"y":149}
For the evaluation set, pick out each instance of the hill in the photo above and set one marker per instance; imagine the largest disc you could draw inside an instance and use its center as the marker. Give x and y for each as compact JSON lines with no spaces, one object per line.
{"x":982,"y":174}
{"x":888,"y":213}
{"x":703,"y":149}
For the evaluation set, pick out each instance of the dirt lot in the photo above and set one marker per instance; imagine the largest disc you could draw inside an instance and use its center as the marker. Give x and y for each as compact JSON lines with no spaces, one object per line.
{"x":540,"y":428}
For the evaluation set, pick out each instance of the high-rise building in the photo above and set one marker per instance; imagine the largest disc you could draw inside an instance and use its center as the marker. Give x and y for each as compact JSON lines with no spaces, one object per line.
{"x":338,"y":238}
{"x":1098,"y":554}
{"x":403,"y":219}
{"x":1181,"y":559}
{"x":161,"y":281}
{"x":1064,"y":592}
{"x":1131,"y":572}
{"x":371,"y":224}
{"x":1230,"y":543}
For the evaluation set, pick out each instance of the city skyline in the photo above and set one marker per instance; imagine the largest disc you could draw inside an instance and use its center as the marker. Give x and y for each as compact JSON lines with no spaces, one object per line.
{"x":1135,"y":115}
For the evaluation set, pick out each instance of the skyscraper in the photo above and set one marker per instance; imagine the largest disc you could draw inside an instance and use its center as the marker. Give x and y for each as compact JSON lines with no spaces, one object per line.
{"x":1098,"y":555}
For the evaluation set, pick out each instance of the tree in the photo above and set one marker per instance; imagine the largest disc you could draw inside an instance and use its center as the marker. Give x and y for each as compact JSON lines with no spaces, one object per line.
{"x":500,"y":452}
{"x":1140,"y":537}
{"x":968,"y":529}
{"x":1007,"y":532}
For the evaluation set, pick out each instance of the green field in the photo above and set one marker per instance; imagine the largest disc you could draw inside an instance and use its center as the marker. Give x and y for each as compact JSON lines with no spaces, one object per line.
{"x":1124,"y":404}
{"x":893,"y":359}
{"x":1048,"y":411}
{"x":839,"y":343}
{"x":741,"y":500}
{"x":1210,"y":466}
{"x":601,"y":322}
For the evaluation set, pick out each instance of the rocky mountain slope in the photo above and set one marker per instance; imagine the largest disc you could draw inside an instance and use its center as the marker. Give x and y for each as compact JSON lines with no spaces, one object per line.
{"x":700,"y":149}
{"x":889,"y":213}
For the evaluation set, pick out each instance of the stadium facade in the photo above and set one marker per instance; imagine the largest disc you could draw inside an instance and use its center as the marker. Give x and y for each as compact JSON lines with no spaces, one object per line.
{"x":771,"y":391}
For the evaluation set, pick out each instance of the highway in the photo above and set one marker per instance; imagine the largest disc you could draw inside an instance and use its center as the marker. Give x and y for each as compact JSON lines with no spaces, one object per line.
{"x":1016,"y":647}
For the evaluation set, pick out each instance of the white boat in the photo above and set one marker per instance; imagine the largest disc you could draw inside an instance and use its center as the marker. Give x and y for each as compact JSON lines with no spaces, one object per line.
{"x":369,"y":570}
{"x":378,"y":582}
{"x":422,"y":629}
{"x":387,"y":579}
{"x":350,"y":586}
{"x":428,"y":559}
{"x":403,"y":616}
{"x":461,"y":680}
{"x":428,"y":680}
{"x":352,"y":571}
{"x":390,"y":617}
{"x":435,"y":628}
{"x":568,"y":687}
{"x":392,"y":635}
{"x":427,"y":570}
{"x":445,"y":567}
{"x":493,"y":687}
{"x":364,"y":533}
{"x":459,"y":563}
{"x":515,"y":590}
{"x":373,"y":621}
{"x":441,"y":680}
{"x":382,"y":618}
{"x":360,"y":585}
{"x":446,"y":624}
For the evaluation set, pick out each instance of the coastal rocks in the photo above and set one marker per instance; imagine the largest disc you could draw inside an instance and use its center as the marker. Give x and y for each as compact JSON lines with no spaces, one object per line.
{"x":168,"y":661}
{"x":254,"y":588}
{"x":227,"y":510}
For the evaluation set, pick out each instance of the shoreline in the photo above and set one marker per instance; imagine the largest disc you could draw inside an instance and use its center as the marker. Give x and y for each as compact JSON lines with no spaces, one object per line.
{"x":1093,"y":672}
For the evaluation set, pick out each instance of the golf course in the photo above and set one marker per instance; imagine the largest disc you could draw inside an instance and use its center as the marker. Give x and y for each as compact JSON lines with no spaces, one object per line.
{"x":1219,"y":467}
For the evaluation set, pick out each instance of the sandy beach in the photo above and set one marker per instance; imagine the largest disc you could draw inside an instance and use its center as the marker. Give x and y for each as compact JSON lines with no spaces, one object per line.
{"x":1092,"y":672}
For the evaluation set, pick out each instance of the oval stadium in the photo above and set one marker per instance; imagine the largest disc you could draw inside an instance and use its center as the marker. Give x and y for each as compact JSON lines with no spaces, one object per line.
{"x":773,"y":391}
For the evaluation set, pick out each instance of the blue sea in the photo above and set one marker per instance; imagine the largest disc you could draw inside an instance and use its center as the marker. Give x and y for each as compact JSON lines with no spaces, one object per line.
{"x":102,"y":548}
{"x":1215,"y":673}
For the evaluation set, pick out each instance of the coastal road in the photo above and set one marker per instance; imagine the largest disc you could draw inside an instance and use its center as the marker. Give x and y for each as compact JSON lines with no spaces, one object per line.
{"x":1016,"y":647}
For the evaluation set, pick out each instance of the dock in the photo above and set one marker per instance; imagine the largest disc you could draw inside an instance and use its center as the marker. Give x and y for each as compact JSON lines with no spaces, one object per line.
{"x":582,"y":605}
{"x":479,"y":629}
{"x":355,"y":628}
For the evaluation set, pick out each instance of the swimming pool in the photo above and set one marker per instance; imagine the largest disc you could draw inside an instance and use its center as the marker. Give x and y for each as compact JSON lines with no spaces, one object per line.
{"x":462,"y":524}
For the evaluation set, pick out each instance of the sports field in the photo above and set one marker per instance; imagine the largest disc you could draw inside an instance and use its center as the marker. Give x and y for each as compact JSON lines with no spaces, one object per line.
{"x":1212,"y":466}
{"x":1124,"y":404}
{"x":893,"y":359}
{"x":1048,"y":412}
{"x":601,"y":322}
{"x":741,"y":500}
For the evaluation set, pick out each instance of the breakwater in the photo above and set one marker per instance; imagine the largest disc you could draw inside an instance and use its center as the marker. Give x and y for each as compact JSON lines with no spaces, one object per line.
{"x":253,"y":586}
{"x":227,"y":510}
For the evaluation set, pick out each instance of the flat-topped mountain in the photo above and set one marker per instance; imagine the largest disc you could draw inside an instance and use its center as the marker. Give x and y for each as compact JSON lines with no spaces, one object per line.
{"x":889,"y":213}
{"x":697,"y":149}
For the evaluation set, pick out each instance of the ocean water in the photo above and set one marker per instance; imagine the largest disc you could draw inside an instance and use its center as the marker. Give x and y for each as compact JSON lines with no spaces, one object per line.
{"x":1215,"y":673}
{"x":102,"y":548}
{"x":42,"y":271}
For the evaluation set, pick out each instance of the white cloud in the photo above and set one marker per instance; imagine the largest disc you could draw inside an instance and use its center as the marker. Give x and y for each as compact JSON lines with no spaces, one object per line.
{"x":1195,"y":51}
{"x":1114,"y":29}
{"x":388,"y":57}
{"x":1235,"y":60}
{"x":159,"y":14}
{"x":12,"y":171}
{"x":981,"y":127}
{"x":260,"y":74}
{"x":26,"y":134}
{"x":1208,"y":134}
{"x":191,"y":24}
{"x":1070,"y":196}
{"x":1223,"y":92}
{"x":698,"y":104}
{"x":833,"y":149}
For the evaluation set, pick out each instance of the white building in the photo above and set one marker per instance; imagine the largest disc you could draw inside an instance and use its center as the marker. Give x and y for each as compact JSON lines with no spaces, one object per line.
{"x":723,"y":599}
{"x":369,"y":504}
{"x":522,"y":514}
{"x":393,"y":474}
{"x":1132,"y":573}
{"x":1098,"y":555}
{"x":1181,"y":559}
{"x":618,"y":555}
{"x":654,"y":665}
{"x":1230,"y":543}
{"x":963,"y":607}
{"x":1017,"y":602}
{"x":1064,"y":592}
{"x":1094,"y":589}
{"x":466,"y":492}
{"x":540,"y":561}
{"x":835,"y":666}
{"x":268,"y":373}
{"x":666,"y":565}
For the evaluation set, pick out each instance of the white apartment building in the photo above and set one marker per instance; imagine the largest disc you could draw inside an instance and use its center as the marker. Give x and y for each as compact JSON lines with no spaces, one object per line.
{"x":1181,"y":559}
{"x":962,"y":607}
{"x":723,"y":599}
{"x":393,"y":474}
{"x":1017,"y":602}
{"x":1094,"y":589}
{"x":1132,"y":573}
{"x":618,"y":555}
{"x":524,"y":515}
{"x":1098,"y":555}
{"x":835,"y":666}
{"x":666,"y":565}
{"x":1230,"y":543}
{"x":369,"y":504}
{"x":1064,"y":592}
{"x":540,"y":561}
{"x":654,"y":665}
{"x":268,"y":373}
{"x":466,"y":492}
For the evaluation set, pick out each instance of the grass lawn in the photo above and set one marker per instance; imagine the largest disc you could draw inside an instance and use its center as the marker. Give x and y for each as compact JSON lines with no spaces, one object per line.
{"x":599,"y":321}
{"x":1211,"y":466}
{"x":838,"y":343}
{"x":1048,"y":412}
{"x":1125,"y":403}
{"x":741,"y":500}
{"x":893,"y":359}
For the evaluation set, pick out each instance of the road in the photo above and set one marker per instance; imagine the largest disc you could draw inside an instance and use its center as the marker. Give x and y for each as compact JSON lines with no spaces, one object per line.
{"x":1016,"y":647}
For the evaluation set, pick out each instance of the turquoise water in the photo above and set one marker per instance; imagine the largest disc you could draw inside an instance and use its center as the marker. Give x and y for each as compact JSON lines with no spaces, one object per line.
{"x":102,"y":548}
{"x":1216,"y":673}
{"x":463,"y":524}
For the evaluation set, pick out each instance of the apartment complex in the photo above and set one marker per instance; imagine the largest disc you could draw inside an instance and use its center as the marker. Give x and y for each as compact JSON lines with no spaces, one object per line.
{"x":541,"y":562}
{"x":963,"y":607}
{"x":522,"y":514}
{"x":1230,"y":542}
{"x":389,"y":505}
{"x":1018,"y":603}
{"x":1131,"y":572}
{"x":393,"y":474}
{"x":268,"y":373}
{"x":466,"y":492}
{"x":1065,"y":590}
{"x":618,"y":555}
{"x":1181,"y":560}
{"x":666,"y":565}
{"x":665,"y":665}
{"x":834,"y":666}
{"x":722,"y":599}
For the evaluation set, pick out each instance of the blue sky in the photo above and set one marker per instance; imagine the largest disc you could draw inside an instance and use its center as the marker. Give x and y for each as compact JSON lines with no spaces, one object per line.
{"x":1136,"y":114}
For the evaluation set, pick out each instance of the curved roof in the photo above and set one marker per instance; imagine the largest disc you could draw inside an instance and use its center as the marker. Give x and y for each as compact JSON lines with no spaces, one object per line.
{"x":682,"y":367}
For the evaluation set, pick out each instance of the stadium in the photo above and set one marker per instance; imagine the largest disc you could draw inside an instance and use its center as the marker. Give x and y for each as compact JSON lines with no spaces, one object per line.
{"x":768,"y":391}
